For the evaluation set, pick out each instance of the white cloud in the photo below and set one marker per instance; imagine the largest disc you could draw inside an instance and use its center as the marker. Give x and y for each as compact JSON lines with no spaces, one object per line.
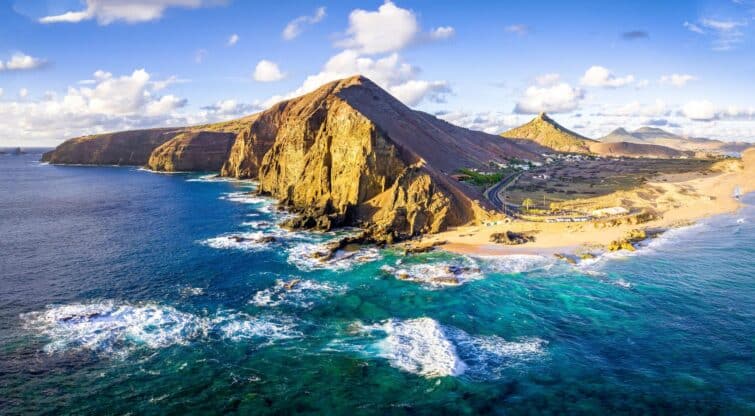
{"x":267,"y":71}
{"x":383,"y":33}
{"x":642,"y":84}
{"x":233,"y":39}
{"x":555,"y":98}
{"x":21,"y":62}
{"x":443,"y":32}
{"x":547,"y":80}
{"x":519,"y":29}
{"x":230,"y":109}
{"x":598,"y":76}
{"x":637,"y":109}
{"x":677,"y":80}
{"x":489,"y":122}
{"x":131,"y":11}
{"x":111,"y":103}
{"x":726,"y":34}
{"x":389,"y":72}
{"x":294,"y":28}
{"x":23,"y":93}
{"x":388,"y":29}
{"x":1,"y":92}
{"x":692,"y":27}
{"x":702,"y":110}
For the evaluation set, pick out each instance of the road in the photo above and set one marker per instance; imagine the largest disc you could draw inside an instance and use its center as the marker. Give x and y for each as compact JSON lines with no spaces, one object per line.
{"x":493,"y":194}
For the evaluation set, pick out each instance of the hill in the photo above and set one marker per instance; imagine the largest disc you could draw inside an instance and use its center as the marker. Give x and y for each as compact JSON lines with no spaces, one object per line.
{"x":346,"y":154}
{"x":660,"y":137}
{"x":630,"y":149}
{"x":548,"y":133}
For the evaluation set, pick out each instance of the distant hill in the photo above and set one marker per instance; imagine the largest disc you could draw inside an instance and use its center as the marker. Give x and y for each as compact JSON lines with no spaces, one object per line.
{"x":660,"y":137}
{"x":548,"y":133}
{"x":630,"y":149}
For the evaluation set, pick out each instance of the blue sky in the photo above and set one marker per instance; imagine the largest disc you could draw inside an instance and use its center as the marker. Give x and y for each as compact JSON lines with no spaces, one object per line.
{"x":71,"y":67}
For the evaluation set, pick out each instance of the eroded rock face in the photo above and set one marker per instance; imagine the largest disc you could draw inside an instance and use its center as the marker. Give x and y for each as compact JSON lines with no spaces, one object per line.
{"x":123,"y":148}
{"x":330,"y":163}
{"x":192,"y":151}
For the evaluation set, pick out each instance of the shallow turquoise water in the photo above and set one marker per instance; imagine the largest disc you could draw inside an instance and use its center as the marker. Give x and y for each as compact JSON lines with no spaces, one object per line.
{"x":121,"y":293}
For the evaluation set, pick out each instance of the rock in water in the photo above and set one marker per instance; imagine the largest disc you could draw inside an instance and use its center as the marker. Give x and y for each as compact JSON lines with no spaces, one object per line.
{"x":511,"y":238}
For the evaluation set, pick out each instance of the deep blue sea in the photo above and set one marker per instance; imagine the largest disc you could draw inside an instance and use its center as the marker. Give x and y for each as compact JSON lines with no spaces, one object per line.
{"x":125,"y":292}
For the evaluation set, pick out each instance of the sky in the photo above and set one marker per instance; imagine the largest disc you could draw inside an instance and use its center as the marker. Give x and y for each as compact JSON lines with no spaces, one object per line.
{"x":71,"y":67}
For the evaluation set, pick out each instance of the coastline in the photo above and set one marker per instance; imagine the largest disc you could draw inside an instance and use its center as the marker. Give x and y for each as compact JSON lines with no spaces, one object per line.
{"x":684,"y":199}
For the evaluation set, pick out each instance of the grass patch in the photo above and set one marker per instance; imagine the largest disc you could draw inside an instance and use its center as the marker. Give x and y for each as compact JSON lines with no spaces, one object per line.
{"x":483,"y":179}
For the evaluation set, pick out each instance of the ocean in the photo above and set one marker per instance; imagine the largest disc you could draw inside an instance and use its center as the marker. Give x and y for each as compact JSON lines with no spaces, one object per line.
{"x":129,"y":292}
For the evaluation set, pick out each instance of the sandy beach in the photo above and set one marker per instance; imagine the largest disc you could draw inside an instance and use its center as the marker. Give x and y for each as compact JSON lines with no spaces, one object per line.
{"x":677,"y":200}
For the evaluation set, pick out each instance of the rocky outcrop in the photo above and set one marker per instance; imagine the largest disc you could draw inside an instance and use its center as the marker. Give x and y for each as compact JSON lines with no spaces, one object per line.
{"x":192,"y":151}
{"x":123,"y":148}
{"x":351,"y":154}
{"x":511,"y":238}
{"x":548,"y":133}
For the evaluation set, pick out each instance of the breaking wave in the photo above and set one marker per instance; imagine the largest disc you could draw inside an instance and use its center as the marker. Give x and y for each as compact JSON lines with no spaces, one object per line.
{"x":308,"y":256}
{"x":516,"y":263}
{"x":437,"y":274}
{"x":295,"y":292}
{"x":425,"y":347}
{"x":118,"y":329}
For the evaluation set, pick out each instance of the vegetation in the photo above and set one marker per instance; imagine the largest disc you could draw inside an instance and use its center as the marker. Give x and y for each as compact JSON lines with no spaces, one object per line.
{"x":483,"y":178}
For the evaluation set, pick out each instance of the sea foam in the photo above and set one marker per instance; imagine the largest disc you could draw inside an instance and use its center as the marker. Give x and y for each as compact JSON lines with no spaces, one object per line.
{"x":295,"y":292}
{"x":118,"y":329}
{"x":304,"y":256}
{"x":425,"y":347}
{"x":437,"y":274}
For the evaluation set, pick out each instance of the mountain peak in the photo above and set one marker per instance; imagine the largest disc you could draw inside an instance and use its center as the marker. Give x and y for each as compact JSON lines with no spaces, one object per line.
{"x":547,"y":132}
{"x":620,"y":130}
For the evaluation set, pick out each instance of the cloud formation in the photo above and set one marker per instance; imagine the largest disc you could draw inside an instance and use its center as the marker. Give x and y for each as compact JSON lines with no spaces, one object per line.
{"x":726,"y":33}
{"x":132,"y":11}
{"x":598,"y":76}
{"x":267,"y":71}
{"x":371,"y":48}
{"x":550,"y":95}
{"x":677,"y":80}
{"x":21,"y":62}
{"x":111,"y":103}
{"x":294,"y":28}
{"x":233,"y":39}
{"x":518,"y":29}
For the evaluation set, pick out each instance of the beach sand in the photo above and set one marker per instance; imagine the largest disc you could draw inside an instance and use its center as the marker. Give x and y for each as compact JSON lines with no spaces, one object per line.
{"x":678,"y":199}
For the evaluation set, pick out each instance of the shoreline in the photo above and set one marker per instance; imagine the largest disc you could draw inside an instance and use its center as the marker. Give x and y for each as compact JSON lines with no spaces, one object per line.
{"x":683,"y":200}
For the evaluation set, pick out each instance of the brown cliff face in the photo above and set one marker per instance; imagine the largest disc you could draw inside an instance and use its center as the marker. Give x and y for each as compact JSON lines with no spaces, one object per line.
{"x":350,"y":154}
{"x":123,"y":148}
{"x":192,"y":151}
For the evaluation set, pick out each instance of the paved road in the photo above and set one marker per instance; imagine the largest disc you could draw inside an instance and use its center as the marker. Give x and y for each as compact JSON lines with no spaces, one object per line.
{"x":494,"y":192}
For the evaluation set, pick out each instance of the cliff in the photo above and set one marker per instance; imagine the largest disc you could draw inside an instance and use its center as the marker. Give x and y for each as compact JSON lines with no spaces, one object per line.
{"x":192,"y":150}
{"x":122,"y":148}
{"x":351,"y":154}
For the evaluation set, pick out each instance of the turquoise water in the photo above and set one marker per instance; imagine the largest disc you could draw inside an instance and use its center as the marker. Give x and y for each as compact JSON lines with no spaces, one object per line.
{"x":121,"y":292}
